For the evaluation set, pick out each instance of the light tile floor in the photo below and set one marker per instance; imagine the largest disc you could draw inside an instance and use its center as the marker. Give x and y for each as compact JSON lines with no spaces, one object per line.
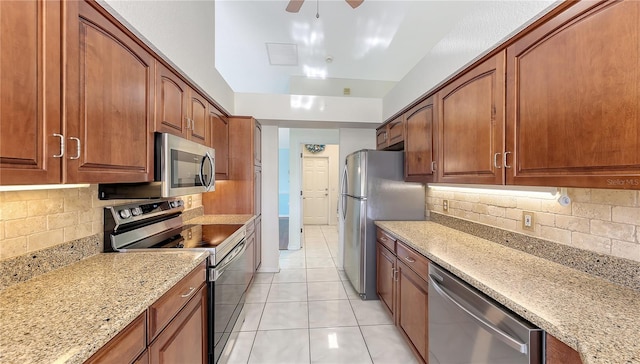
{"x":309,"y":313}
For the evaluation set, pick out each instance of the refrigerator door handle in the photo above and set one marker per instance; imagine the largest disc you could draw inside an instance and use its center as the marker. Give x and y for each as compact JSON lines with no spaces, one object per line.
{"x":343,"y":192}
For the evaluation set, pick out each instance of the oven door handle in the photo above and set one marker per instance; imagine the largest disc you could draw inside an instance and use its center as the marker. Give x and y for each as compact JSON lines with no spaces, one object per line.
{"x":235,"y":254}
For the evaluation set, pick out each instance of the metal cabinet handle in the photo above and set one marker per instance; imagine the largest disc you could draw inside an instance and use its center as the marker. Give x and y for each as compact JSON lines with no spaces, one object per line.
{"x":495,"y":160}
{"x":61,"y":145}
{"x":191,"y":290}
{"x":504,"y":160}
{"x":395,"y":274}
{"x":433,"y":166}
{"x":78,"y":146}
{"x":409,"y":259}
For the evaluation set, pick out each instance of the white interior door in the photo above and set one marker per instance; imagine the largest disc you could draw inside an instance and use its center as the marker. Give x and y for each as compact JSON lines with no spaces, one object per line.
{"x":315,"y":190}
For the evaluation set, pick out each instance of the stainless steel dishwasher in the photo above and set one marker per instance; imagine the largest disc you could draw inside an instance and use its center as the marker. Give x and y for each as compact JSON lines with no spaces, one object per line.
{"x":467,"y":327}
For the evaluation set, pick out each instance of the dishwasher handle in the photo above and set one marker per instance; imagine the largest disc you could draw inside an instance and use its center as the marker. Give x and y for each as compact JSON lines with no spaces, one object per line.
{"x":492,"y":329}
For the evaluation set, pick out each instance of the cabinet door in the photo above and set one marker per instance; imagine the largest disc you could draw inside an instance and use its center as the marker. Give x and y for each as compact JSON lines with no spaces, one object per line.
{"x":412,"y":310}
{"x":381,"y":138}
{"x":257,"y":144}
{"x":385,"y":276}
{"x":471,"y":125}
{"x":30,"y":112}
{"x":559,"y":353}
{"x":171,"y":102}
{"x":109,"y":100}
{"x":396,"y":131}
{"x":125,"y":347}
{"x":420,"y":143}
{"x":184,"y":340}
{"x":220,"y":141}
{"x":574,"y":99}
{"x":199,"y":115}
{"x":258,"y":248}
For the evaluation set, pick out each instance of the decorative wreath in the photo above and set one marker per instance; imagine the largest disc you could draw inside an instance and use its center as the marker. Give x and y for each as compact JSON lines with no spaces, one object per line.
{"x":314,"y":148}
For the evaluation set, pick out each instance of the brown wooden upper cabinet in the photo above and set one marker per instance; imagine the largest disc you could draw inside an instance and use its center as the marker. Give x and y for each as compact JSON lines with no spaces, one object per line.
{"x":109,"y":98}
{"x":30,"y":113}
{"x":180,"y":110}
{"x":420,"y":142}
{"x":391,"y":135}
{"x":471,"y":125}
{"x":220,"y":141}
{"x":574,"y":99}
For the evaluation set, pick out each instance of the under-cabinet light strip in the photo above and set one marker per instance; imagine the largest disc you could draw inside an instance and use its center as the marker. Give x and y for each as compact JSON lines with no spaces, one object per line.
{"x":547,"y":193}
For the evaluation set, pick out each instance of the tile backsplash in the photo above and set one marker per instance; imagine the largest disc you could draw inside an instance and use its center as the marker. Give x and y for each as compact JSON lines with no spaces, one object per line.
{"x":34,"y":220}
{"x":602,"y":221}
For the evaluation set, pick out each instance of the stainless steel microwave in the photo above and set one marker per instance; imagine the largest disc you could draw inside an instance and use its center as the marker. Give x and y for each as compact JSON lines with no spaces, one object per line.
{"x":182,"y":167}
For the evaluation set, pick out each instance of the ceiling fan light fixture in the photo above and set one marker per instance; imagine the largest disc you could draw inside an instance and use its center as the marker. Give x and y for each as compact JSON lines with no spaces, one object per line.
{"x":355,"y":3}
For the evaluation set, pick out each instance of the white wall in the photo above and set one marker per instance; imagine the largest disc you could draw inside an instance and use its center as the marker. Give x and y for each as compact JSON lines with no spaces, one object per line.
{"x":297,"y":137}
{"x":270,"y":231}
{"x":475,"y":34}
{"x":184,"y":32}
{"x":352,"y":140}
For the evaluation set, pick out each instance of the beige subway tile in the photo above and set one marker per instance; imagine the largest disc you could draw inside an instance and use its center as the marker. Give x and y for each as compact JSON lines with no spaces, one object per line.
{"x":544,"y":218}
{"x":553,"y":207}
{"x":76,"y":204}
{"x":62,"y":220}
{"x":591,"y":242}
{"x":592,"y":211}
{"x":529,"y":204}
{"x":508,"y":224}
{"x":440,"y":194}
{"x":461,"y":205}
{"x":45,"y":207}
{"x":13,"y":247}
{"x":98,"y":215}
{"x":513,"y":214}
{"x":86,"y":215}
{"x":437,"y":208}
{"x":579,"y":194}
{"x":56,"y":193}
{"x":12,"y":210}
{"x":625,"y":249}
{"x":499,"y":200}
{"x":1,"y":230}
{"x":45,"y":239}
{"x":78,"y":231}
{"x":25,"y":195}
{"x":487,"y":219}
{"x":614,"y":197}
{"x":613,"y":230}
{"x":496,"y":211}
{"x":555,"y":234}
{"x":573,"y":223}
{"x":480,"y":208}
{"x":466,"y":196}
{"x":468,"y":215}
{"x":71,"y":193}
{"x":627,"y":215}
{"x":97,"y":227}
{"x":24,"y":227}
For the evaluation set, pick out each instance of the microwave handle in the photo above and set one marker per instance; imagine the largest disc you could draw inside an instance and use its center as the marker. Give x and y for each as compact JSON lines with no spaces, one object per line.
{"x":211,"y":182}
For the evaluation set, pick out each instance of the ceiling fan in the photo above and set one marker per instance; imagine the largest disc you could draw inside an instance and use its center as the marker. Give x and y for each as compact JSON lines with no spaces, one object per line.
{"x":295,"y":5}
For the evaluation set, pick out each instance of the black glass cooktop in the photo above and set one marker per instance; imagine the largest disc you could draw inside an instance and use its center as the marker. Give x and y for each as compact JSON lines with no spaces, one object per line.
{"x":207,"y":236}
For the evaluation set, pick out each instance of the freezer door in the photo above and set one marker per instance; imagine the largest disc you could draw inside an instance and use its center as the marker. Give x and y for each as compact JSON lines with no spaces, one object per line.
{"x":354,"y":241}
{"x":356,"y":174}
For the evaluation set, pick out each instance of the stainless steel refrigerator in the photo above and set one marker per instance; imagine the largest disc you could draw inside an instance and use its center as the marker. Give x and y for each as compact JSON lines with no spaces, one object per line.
{"x":373,"y":189}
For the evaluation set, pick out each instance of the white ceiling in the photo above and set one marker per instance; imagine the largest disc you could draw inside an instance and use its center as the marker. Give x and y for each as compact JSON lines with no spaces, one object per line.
{"x":372,"y":47}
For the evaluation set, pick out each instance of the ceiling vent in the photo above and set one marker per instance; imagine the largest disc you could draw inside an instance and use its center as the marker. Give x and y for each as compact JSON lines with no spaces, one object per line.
{"x":282,"y":54}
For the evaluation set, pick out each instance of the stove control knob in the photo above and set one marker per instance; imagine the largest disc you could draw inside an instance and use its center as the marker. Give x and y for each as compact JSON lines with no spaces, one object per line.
{"x":125,"y":214}
{"x":172,"y":204}
{"x":136,"y":211}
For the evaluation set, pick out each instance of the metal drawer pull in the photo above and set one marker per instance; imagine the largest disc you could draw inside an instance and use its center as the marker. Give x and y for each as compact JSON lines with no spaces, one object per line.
{"x":495,"y":160}
{"x":61,"y":145}
{"x":395,"y":274}
{"x":409,"y":259}
{"x":191,"y":289}
{"x":504,"y":160}
{"x":77,"y":148}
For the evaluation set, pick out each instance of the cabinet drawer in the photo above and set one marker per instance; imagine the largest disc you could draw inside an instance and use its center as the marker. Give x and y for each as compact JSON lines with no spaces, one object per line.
{"x":167,"y":306}
{"x":126,"y":346}
{"x":417,"y":262}
{"x":386,"y":239}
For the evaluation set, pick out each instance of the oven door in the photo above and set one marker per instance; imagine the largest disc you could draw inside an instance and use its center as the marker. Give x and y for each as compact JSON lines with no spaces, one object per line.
{"x":186,"y":167}
{"x":228,"y":283}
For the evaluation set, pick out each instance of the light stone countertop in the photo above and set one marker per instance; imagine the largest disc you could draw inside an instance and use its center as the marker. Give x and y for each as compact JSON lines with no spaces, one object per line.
{"x":599,"y":319}
{"x":66,"y":315}
{"x":221,"y":219}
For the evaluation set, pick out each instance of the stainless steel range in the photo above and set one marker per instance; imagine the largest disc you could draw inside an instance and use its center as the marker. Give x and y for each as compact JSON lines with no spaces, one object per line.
{"x":157,"y":224}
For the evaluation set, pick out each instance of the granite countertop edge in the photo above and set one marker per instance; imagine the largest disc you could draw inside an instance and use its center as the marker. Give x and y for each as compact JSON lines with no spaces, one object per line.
{"x":493,"y":269}
{"x":67,"y":315}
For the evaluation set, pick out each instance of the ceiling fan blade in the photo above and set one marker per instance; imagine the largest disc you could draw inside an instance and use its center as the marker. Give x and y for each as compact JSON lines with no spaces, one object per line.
{"x":354,"y":3}
{"x":294,"y":6}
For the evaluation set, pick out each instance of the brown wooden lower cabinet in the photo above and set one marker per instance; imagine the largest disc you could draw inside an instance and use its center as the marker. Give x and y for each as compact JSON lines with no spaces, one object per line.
{"x":143,"y":358}
{"x":560,"y":353}
{"x":126,"y":346}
